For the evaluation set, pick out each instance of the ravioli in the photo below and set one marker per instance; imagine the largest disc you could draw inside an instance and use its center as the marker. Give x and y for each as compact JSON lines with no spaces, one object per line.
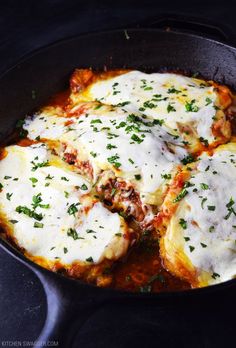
{"x":192,"y":108}
{"x":50,"y":213}
{"x":200,"y":241}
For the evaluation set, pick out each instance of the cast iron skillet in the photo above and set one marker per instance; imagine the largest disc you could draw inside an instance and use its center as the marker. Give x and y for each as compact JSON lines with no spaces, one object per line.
{"x":70,"y":302}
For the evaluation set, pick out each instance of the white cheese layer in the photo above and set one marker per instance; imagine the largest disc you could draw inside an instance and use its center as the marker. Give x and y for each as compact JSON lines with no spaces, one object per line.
{"x":136,"y":149}
{"x":174,"y":98}
{"x":42,"y":202}
{"x":204,"y":225}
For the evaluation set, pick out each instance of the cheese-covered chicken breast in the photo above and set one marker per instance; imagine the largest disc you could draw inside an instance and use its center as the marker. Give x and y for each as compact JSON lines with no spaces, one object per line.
{"x":199,"y":243}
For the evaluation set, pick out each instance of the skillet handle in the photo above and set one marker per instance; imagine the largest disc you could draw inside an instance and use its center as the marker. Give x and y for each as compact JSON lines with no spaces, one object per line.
{"x":69,"y":304}
{"x":191,"y":25}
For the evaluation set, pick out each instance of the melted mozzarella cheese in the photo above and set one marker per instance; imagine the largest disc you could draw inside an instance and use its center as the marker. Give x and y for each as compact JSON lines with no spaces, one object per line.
{"x":138,"y":150}
{"x":48,"y":215}
{"x":202,"y":233}
{"x":178,"y":100}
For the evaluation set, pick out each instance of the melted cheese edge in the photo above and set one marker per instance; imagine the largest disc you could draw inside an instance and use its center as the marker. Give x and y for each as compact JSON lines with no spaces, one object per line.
{"x":98,"y":233}
{"x":205,"y":241}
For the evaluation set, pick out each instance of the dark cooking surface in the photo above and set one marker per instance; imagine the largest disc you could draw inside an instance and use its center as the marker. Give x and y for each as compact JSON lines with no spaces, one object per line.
{"x":22,"y":301}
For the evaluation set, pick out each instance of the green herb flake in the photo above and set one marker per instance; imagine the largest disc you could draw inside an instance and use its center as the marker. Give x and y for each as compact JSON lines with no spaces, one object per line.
{"x":89,"y":259}
{"x":183,"y":223}
{"x":215,"y":275}
{"x":138,"y":177}
{"x":166,"y":176}
{"x":211,"y":207}
{"x":188,"y":159}
{"x":204,"y":186}
{"x":170,"y":108}
{"x":191,"y":107}
{"x":84,"y":187}
{"x":203,"y":202}
{"x":191,"y":248}
{"x":38,"y":224}
{"x":181,"y":195}
{"x":33,"y":180}
{"x":71,"y":232}
{"x":8,"y":196}
{"x":72,"y":209}
{"x":110,"y":146}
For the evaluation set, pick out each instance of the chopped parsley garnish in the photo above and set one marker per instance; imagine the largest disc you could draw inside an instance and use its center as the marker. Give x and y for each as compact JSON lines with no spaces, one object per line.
{"x":166,"y":176}
{"x":135,"y":138}
{"x":191,"y":248}
{"x":1,"y":186}
{"x":33,"y":180}
{"x":49,"y":177}
{"x":72,"y":209}
{"x":208,"y":101}
{"x":204,"y":141}
{"x":230,"y":208}
{"x":211,"y":207}
{"x":188,"y":159}
{"x":148,"y":104}
{"x":37,"y":202}
{"x":8,"y":195}
{"x":90,"y":231}
{"x":113,"y":192}
{"x":138,"y":176}
{"x":39,"y":165}
{"x":96,"y":121}
{"x":204,"y":186}
{"x":118,"y":234}
{"x":181,"y":195}
{"x":89,"y":259}
{"x":113,"y":160}
{"x":170,"y":108}
{"x":6,"y":177}
{"x":65,"y":250}
{"x":215,"y":275}
{"x":123,"y":103}
{"x":187,"y":239}
{"x":110,"y":146}
{"x":173,"y":90}
{"x":84,"y":187}
{"x":38,"y":224}
{"x":183,"y":223}
{"x":98,"y":107}
{"x":203,"y":201}
{"x":71,"y":232}
{"x":211,"y":228}
{"x":13,"y":221}
{"x":66,"y":194}
{"x":203,"y":245}
{"x":191,"y":107}
{"x":64,"y":178}
{"x":93,"y":154}
{"x":27,"y":211}
{"x":131,"y":161}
